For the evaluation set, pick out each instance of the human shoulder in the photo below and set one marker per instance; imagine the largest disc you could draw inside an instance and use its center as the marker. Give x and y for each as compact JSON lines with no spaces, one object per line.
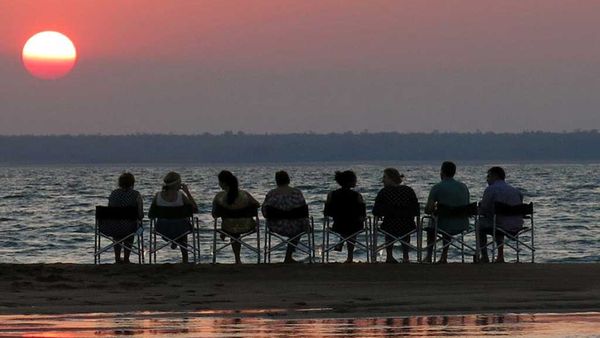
{"x":295,"y":190}
{"x":219,"y":197}
{"x":489,"y":190}
{"x":359,"y":197}
{"x":406,"y":188}
{"x":114,"y":193}
{"x":436,"y":187}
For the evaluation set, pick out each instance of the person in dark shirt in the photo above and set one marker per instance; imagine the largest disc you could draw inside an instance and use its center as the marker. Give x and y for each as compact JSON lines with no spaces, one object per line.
{"x":398,"y":205}
{"x":347,"y":208}
{"x":125,"y":196}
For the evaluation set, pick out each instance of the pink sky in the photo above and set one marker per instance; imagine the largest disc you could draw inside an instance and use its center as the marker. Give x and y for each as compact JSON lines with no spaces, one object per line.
{"x":294,"y":66}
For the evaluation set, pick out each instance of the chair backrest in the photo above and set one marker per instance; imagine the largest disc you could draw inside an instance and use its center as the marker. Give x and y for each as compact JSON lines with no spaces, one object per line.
{"x":393,"y":212}
{"x":468,"y":210}
{"x":158,"y":212}
{"x":223,"y":212}
{"x":513,"y":210}
{"x":272,"y":213}
{"x":116,"y":213}
{"x":336,"y":211}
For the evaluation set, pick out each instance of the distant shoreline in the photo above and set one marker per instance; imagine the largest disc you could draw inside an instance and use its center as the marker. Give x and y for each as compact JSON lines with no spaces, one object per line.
{"x":230,"y":148}
{"x":339,"y":290}
{"x":298,"y":164}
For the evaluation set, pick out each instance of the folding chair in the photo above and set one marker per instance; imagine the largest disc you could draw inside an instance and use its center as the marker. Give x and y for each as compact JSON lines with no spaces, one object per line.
{"x":298,"y":213}
{"x":327,"y":246}
{"x":447,"y":239}
{"x":102,"y":230}
{"x":238,"y":238}
{"x":158,"y":213}
{"x":523,"y":210}
{"x":377,"y":231}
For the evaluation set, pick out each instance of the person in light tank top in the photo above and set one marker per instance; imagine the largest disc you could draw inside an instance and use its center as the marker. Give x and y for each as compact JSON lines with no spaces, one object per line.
{"x":174,"y":194}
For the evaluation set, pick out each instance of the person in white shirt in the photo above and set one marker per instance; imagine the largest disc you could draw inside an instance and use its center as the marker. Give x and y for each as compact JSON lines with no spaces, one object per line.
{"x":497,"y":191}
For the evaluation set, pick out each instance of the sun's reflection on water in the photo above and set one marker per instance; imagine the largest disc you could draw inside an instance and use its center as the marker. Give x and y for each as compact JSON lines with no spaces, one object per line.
{"x":256,"y":325}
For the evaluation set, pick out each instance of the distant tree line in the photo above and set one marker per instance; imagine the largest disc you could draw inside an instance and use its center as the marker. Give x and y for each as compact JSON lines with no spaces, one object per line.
{"x":309,"y":147}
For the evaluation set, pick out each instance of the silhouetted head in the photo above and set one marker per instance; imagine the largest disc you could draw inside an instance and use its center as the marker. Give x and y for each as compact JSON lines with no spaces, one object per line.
{"x":495,"y":174}
{"x":448,"y":170}
{"x":391,"y":176}
{"x":172,"y":181}
{"x":229,"y":183}
{"x":126,"y":180}
{"x":282,"y":178}
{"x":346,"y":179}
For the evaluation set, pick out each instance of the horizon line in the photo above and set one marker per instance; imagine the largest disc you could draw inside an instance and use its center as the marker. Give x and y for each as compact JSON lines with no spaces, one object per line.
{"x":311,"y":133}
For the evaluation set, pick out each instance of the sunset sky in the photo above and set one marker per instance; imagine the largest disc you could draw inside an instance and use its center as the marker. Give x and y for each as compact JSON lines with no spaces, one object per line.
{"x":295,"y":66}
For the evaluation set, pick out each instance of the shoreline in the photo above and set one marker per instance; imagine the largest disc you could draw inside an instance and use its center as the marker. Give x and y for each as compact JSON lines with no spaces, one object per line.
{"x":277,"y":290}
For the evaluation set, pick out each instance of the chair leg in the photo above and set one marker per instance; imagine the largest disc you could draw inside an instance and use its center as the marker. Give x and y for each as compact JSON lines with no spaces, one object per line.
{"x":323,"y":247}
{"x":140,"y":253}
{"x":313,"y":245}
{"x":155,"y":246}
{"x":374,"y":240}
{"x":96,"y":243}
{"x":258,"y":245}
{"x":143,"y":249}
{"x":419,"y":241}
{"x":532,"y":247}
{"x":99,"y":248}
{"x":327,"y":253}
{"x":518,"y":250}
{"x":494,"y":244}
{"x":435,"y":241}
{"x":267,"y":246}
{"x":194,"y":253}
{"x":367,"y":244}
{"x":214,"y":248}
{"x":462,"y":247}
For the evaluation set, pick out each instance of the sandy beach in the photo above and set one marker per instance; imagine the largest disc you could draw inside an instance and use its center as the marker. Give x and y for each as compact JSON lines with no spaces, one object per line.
{"x":337,"y":289}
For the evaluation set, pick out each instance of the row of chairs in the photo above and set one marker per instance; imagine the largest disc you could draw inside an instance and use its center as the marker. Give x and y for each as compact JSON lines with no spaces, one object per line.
{"x":522,"y":240}
{"x":371,"y":238}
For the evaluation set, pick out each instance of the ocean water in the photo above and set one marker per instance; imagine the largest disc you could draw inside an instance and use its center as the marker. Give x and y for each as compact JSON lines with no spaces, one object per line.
{"x":149,"y":324}
{"x":47,"y":212}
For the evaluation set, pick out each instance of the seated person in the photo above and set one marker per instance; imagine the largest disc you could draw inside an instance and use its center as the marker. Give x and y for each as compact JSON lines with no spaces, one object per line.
{"x":174,"y":194}
{"x":497,"y":191}
{"x":348,"y":210}
{"x":285,"y":199}
{"x":124,"y":196}
{"x":236,"y":208}
{"x":450,"y":193}
{"x":398,"y":205}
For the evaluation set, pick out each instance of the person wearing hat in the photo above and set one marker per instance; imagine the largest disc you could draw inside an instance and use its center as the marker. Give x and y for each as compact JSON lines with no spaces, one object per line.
{"x":398,"y":205}
{"x":174,"y":194}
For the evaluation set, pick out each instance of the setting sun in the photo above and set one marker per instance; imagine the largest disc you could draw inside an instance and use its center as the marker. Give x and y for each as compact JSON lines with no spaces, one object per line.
{"x":49,"y":55}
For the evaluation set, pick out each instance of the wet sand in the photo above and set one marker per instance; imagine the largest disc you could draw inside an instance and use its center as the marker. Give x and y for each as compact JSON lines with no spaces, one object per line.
{"x":338,"y":290}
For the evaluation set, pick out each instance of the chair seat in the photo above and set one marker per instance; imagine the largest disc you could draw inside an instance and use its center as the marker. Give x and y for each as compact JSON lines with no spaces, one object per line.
{"x":238,"y":234}
{"x":117,"y":224}
{"x":118,"y":229}
{"x":173,"y":228}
